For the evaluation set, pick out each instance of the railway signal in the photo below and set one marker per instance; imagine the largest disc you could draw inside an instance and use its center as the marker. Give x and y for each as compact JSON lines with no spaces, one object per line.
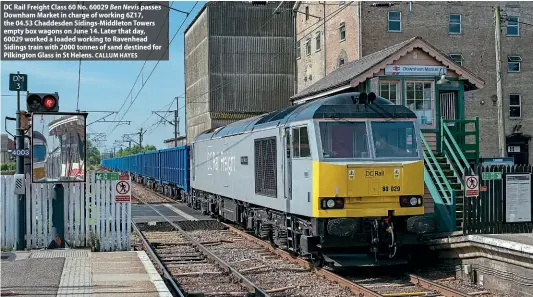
{"x":42,"y":102}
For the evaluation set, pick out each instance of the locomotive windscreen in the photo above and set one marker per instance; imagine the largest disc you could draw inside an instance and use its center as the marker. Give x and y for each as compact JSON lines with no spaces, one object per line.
{"x":394,"y":139}
{"x":344,"y":140}
{"x":350,"y":140}
{"x":39,"y":153}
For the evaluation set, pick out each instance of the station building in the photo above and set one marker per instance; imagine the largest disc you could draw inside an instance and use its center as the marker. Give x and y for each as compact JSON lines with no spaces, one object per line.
{"x":415,"y":74}
{"x":333,"y":34}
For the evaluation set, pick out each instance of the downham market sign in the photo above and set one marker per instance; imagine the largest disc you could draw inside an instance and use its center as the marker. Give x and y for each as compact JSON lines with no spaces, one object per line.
{"x":415,"y":70}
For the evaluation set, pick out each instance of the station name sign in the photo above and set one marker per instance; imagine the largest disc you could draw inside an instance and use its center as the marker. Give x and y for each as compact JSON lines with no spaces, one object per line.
{"x":415,"y":70}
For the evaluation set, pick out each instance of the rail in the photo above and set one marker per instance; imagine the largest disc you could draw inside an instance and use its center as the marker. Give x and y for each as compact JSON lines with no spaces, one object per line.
{"x":155,"y":258}
{"x":258,"y":292}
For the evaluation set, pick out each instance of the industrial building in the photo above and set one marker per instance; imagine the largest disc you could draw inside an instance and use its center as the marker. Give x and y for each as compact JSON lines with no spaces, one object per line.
{"x":239,"y":62}
{"x":332,"y":34}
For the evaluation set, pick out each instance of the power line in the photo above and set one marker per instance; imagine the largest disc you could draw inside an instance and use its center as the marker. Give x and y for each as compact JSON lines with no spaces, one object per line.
{"x":150,"y":75}
{"x":142,"y":68}
{"x":315,"y":25}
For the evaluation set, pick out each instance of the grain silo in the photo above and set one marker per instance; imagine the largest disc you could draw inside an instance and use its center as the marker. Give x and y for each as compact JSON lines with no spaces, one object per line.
{"x":239,"y":62}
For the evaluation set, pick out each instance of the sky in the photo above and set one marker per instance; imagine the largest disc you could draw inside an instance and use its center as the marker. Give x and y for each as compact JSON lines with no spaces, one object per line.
{"x":106,"y":84}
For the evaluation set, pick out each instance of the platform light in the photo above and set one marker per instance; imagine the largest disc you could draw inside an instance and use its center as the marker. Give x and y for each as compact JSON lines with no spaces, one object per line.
{"x":42,"y":102}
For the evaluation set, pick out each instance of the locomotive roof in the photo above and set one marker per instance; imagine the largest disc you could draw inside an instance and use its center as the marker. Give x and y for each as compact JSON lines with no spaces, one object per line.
{"x":340,"y":106}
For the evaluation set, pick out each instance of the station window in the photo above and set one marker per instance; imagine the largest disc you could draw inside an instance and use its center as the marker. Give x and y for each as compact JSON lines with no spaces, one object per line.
{"x":306,"y":13}
{"x":317,"y":41}
{"x":342,"y":32}
{"x":457,"y":58}
{"x":513,"y":63}
{"x":395,"y":21}
{"x":419,"y":98}
{"x":515,"y":106}
{"x":341,"y":61}
{"x":308,"y":46}
{"x":513,"y":27}
{"x":300,"y":143}
{"x":454,"y":24}
{"x":389,"y":90}
{"x":298,"y":50}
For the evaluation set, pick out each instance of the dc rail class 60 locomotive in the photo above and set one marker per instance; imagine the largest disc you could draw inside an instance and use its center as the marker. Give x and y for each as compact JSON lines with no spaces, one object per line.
{"x":339,"y":179}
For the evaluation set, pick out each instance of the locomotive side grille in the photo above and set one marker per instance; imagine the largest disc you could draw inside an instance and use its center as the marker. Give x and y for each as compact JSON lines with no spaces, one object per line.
{"x":265,"y":167}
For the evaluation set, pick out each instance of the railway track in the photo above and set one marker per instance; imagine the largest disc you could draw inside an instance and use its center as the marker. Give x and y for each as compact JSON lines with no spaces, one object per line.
{"x":219,"y":259}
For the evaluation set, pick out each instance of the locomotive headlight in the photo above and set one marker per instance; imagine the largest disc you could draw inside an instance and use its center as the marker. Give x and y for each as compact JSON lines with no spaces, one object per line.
{"x":330,"y":203}
{"x":410,"y":201}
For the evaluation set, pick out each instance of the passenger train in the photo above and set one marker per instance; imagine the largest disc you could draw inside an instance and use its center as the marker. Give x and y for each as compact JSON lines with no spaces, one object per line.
{"x":339,"y":180}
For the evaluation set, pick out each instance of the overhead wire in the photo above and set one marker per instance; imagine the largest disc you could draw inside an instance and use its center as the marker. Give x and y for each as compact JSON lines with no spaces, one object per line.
{"x":312,"y":27}
{"x":153,"y":69}
{"x":142,"y":68}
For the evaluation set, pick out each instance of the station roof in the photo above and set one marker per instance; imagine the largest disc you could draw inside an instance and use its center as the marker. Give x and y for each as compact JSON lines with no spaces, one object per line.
{"x":340,"y":106}
{"x":358,"y":71}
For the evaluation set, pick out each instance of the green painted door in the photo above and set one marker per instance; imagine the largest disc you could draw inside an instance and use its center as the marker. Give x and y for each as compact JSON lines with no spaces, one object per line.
{"x":449,"y":110}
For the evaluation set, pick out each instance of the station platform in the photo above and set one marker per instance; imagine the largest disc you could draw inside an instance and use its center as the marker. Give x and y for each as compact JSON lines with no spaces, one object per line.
{"x":80,"y":273}
{"x":499,"y":262}
{"x":142,"y":213}
{"x":521,"y":243}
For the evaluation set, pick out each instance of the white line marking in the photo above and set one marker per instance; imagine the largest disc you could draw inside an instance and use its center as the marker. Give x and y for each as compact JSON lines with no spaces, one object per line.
{"x":154,"y":276}
{"x":180,"y":212}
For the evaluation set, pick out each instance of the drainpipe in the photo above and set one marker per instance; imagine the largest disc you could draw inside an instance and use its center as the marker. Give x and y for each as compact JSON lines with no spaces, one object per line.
{"x":324,"y":34}
{"x":359,"y":45}
{"x":294,"y":51}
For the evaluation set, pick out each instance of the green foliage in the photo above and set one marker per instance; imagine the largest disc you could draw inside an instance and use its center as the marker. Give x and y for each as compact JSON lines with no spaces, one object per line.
{"x":8,"y":166}
{"x":93,"y":155}
{"x":135,"y":150}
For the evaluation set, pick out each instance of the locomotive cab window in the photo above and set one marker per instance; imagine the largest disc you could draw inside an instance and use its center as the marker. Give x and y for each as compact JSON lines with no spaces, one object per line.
{"x":39,"y":152}
{"x":394,"y":139}
{"x":346,"y":140}
{"x":300,"y":143}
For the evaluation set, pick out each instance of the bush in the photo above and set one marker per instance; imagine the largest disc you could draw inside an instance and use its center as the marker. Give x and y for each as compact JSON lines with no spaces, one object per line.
{"x":8,"y":166}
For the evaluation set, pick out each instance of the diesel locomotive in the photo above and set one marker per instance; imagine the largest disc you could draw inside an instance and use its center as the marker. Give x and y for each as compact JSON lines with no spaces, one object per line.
{"x":339,"y":180}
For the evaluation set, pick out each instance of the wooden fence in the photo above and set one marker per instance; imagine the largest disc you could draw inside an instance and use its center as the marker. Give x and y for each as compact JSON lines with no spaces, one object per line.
{"x":486,"y":214}
{"x":92,"y":217}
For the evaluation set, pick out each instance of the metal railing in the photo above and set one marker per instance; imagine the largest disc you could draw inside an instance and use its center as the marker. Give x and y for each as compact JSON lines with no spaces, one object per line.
{"x":439,"y":187}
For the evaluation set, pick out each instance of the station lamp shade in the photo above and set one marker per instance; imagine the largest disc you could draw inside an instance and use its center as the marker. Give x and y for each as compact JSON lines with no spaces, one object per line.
{"x":42,"y":102}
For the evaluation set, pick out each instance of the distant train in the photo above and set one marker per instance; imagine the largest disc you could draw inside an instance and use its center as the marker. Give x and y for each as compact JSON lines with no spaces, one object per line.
{"x":339,"y":180}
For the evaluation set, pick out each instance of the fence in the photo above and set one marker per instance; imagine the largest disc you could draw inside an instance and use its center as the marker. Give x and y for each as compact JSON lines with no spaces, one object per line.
{"x":486,"y":214}
{"x":92,"y":217}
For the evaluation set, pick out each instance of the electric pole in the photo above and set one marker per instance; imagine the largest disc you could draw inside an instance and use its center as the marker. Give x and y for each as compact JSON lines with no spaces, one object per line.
{"x":176,"y":124}
{"x":141,"y":140}
{"x":499,"y":92}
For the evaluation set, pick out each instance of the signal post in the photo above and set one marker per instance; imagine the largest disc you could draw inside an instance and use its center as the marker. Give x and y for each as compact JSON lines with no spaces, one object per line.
{"x":19,"y":82}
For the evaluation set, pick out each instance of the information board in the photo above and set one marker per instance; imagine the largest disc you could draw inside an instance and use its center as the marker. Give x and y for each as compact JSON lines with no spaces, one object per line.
{"x":107,"y":175}
{"x":518,"y":197}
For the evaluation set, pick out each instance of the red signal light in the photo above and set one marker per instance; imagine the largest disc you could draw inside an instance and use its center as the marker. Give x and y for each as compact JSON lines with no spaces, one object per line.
{"x":49,"y":102}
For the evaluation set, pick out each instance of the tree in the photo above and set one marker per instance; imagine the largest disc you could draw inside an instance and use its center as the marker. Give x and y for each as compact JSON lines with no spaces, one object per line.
{"x":93,"y":154}
{"x":135,"y":150}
